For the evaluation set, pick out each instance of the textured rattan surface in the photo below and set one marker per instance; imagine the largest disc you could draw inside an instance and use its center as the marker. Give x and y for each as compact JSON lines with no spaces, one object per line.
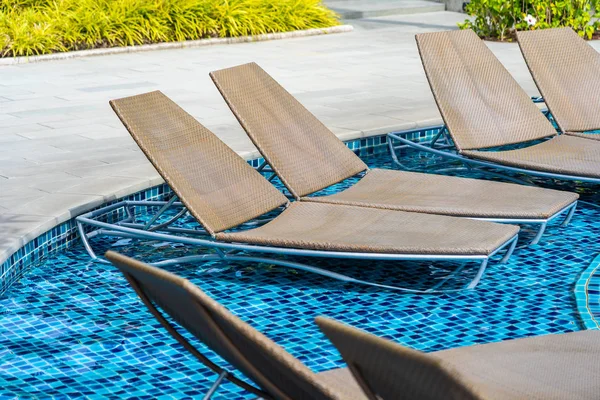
{"x":305,"y":154}
{"x":217,"y":186}
{"x":437,"y":194}
{"x":268,"y":365}
{"x":564,"y":154}
{"x":592,"y":136}
{"x":391,"y":371}
{"x":480,"y":102}
{"x":550,"y":367}
{"x":567,"y":71}
{"x":331,"y":227}
{"x":342,"y":380}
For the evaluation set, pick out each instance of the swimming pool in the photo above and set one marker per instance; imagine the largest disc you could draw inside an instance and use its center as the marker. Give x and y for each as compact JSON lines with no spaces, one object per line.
{"x":72,"y":328}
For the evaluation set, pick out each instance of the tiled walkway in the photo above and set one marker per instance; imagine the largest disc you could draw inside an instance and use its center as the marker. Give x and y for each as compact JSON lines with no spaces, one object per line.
{"x":63,"y":151}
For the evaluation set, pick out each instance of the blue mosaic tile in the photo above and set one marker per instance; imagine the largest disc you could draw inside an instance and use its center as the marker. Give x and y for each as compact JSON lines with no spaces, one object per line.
{"x":58,"y":238}
{"x":70,"y":328}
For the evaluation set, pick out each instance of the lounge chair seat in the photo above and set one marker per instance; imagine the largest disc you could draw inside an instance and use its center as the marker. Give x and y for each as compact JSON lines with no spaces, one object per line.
{"x":358,"y":229}
{"x":275,"y":373}
{"x":585,"y":135}
{"x":567,"y":155}
{"x":561,"y":366}
{"x":342,"y":381}
{"x":222,"y":192}
{"x":308,"y":157}
{"x":484,"y":107}
{"x":437,"y":194}
{"x":550,"y":367}
{"x":566,"y":69}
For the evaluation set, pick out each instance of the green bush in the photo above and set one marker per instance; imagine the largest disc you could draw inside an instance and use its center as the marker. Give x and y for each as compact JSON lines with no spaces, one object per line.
{"x":30,"y":27}
{"x":499,"y":19}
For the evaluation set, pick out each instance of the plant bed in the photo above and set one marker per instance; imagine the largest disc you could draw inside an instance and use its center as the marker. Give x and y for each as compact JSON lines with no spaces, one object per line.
{"x":499,"y":20}
{"x":35,"y":27}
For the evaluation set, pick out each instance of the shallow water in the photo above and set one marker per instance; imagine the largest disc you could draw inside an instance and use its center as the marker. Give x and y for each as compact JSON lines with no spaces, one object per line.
{"x":72,"y":328}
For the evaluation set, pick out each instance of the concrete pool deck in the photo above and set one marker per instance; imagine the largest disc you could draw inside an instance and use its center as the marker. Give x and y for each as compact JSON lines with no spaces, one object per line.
{"x":64,"y":151}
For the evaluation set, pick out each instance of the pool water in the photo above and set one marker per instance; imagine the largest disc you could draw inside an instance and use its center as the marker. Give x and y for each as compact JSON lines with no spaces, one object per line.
{"x":71,"y":328}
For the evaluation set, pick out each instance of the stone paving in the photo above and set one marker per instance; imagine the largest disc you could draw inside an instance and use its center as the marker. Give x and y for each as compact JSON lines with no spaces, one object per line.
{"x":63,"y":150}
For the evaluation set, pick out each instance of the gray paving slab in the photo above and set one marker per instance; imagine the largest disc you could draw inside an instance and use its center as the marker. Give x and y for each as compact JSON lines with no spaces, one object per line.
{"x":356,"y":9}
{"x":64,"y":151}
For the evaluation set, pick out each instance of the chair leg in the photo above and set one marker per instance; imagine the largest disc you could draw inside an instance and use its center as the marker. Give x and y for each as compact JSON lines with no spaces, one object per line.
{"x":569,"y":215}
{"x":539,"y":234}
{"x":215,"y":385}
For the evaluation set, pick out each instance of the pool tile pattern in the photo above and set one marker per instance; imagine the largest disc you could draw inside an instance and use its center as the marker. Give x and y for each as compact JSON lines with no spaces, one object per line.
{"x":71,"y":328}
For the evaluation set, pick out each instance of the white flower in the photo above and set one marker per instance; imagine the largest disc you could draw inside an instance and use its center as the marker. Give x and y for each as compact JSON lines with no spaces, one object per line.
{"x":531,"y":21}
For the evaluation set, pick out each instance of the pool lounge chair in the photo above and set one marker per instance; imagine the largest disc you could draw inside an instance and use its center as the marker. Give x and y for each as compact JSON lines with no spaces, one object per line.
{"x":308,"y":157}
{"x":483,"y":108}
{"x":550,"y":367}
{"x":274,"y":371}
{"x":567,"y":71}
{"x":221,"y":191}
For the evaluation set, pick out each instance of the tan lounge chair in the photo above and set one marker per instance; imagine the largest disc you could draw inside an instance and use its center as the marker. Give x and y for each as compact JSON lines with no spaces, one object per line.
{"x":275,"y":372}
{"x":308,"y":157}
{"x":484,"y":107}
{"x":221,"y":191}
{"x":567,"y":71}
{"x":551,"y":367}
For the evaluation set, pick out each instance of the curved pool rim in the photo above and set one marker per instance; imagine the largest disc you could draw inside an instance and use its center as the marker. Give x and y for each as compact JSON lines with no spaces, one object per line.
{"x":65,"y":234}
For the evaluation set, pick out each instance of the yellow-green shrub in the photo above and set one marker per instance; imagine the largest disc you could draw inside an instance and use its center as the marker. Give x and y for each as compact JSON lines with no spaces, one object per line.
{"x":29,"y":27}
{"x":499,"y":19}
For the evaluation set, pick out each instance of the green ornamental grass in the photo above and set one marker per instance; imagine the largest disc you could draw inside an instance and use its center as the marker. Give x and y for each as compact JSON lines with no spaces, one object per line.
{"x":500,"y":19}
{"x":31,"y":27}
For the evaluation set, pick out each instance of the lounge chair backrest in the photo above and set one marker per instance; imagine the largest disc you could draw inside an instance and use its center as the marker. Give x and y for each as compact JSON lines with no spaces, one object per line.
{"x":306,"y":155}
{"x":216,"y":185}
{"x":567,"y":71}
{"x":480,"y":102}
{"x":269,"y":366}
{"x":386,"y":370}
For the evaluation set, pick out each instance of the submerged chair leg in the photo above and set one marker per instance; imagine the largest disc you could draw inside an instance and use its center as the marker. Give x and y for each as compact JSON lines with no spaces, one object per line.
{"x":569,"y":215}
{"x":479,"y":274}
{"x":539,"y":234}
{"x":215,"y":385}
{"x":484,"y":263}
{"x":510,"y":251}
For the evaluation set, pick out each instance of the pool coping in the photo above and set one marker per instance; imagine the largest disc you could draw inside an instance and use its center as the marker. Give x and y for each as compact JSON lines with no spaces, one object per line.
{"x":175,"y":45}
{"x":57,"y":234}
{"x":12,"y":245}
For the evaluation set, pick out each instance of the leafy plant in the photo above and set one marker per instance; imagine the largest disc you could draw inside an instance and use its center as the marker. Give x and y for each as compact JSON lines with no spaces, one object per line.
{"x":31,"y":27}
{"x":499,"y":19}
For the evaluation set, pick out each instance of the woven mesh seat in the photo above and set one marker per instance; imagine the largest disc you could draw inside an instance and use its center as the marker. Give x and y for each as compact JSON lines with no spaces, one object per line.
{"x":567,"y":71}
{"x":480,"y":102}
{"x":360,"y":229}
{"x":308,"y":157}
{"x":222,"y":191}
{"x":568,"y":155}
{"x":438,"y":194}
{"x":553,"y":367}
{"x":586,"y":135}
{"x":216,"y":185}
{"x":483,"y":106}
{"x":269,"y":366}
